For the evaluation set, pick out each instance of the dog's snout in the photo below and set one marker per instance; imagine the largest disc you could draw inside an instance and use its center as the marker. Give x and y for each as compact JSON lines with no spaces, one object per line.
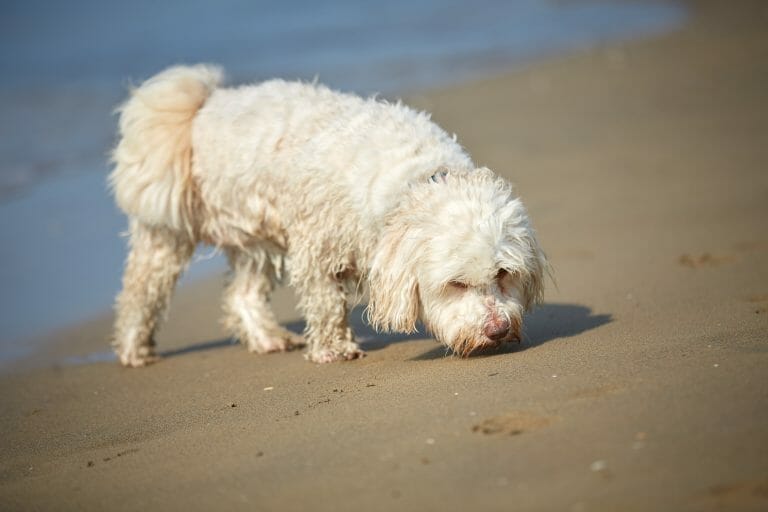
{"x":497,"y":329}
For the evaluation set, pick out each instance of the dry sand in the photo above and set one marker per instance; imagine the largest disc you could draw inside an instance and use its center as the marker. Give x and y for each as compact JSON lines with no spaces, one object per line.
{"x":643,"y":384}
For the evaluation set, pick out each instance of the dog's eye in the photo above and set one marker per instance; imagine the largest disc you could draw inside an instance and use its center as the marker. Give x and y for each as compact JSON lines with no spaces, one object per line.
{"x":458,"y":285}
{"x":500,"y":280}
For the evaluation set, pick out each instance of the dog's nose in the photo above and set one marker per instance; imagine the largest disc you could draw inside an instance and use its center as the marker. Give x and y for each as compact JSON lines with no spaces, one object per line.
{"x":496,"y":329}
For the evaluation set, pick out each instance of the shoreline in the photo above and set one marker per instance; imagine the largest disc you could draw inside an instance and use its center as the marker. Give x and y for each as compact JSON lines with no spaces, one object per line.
{"x":641,"y":384}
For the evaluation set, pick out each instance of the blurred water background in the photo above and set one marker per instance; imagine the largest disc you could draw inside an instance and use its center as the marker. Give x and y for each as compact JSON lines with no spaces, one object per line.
{"x":64,"y":65}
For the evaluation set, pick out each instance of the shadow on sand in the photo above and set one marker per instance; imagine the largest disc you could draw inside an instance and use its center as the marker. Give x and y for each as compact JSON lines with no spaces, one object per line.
{"x":549,"y":322}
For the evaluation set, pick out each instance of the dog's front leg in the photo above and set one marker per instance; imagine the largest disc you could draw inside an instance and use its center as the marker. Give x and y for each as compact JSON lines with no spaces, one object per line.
{"x":323,"y":300}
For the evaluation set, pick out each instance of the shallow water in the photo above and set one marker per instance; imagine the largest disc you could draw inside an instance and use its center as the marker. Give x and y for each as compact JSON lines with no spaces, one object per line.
{"x":64,"y":65}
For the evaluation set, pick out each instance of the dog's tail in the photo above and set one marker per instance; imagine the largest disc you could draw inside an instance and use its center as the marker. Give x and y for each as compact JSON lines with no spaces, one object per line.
{"x":152,"y":178}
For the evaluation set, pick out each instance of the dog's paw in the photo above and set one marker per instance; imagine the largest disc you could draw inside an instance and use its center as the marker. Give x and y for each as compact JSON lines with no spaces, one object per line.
{"x":279,"y":341}
{"x":135,"y":358}
{"x":330,"y":355}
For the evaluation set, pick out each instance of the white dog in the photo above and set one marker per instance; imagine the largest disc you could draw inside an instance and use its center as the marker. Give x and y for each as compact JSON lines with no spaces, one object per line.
{"x":331,"y":189}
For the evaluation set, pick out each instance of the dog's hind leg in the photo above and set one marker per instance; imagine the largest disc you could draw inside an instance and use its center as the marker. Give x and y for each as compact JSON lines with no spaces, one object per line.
{"x":157,"y":257}
{"x":247,"y":312}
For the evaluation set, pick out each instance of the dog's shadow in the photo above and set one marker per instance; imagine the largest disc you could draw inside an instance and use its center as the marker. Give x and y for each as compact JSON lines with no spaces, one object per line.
{"x":366,"y":335}
{"x":369,"y":339}
{"x":548,"y":322}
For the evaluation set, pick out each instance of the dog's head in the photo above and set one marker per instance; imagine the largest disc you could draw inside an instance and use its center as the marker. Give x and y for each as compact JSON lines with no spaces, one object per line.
{"x":459,"y":254}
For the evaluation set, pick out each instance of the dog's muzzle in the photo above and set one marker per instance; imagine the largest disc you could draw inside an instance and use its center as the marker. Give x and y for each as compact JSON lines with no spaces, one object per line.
{"x":496,"y":329}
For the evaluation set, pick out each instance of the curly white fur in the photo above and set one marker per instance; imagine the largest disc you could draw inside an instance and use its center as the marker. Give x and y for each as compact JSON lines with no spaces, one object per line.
{"x":334,"y":188}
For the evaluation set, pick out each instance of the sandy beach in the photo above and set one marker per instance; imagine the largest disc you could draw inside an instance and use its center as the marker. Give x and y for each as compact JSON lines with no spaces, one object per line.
{"x":642,"y":383}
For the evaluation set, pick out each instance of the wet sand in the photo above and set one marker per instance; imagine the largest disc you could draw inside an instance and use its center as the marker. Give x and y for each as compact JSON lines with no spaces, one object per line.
{"x":642,"y":383}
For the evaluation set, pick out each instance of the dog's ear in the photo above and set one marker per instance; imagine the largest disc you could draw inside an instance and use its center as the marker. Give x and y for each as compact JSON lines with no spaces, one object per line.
{"x":393,"y":288}
{"x":533,"y":282}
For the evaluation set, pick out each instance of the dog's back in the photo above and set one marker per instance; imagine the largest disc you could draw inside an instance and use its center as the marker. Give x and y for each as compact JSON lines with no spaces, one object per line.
{"x":186,"y":145}
{"x":295,"y":135}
